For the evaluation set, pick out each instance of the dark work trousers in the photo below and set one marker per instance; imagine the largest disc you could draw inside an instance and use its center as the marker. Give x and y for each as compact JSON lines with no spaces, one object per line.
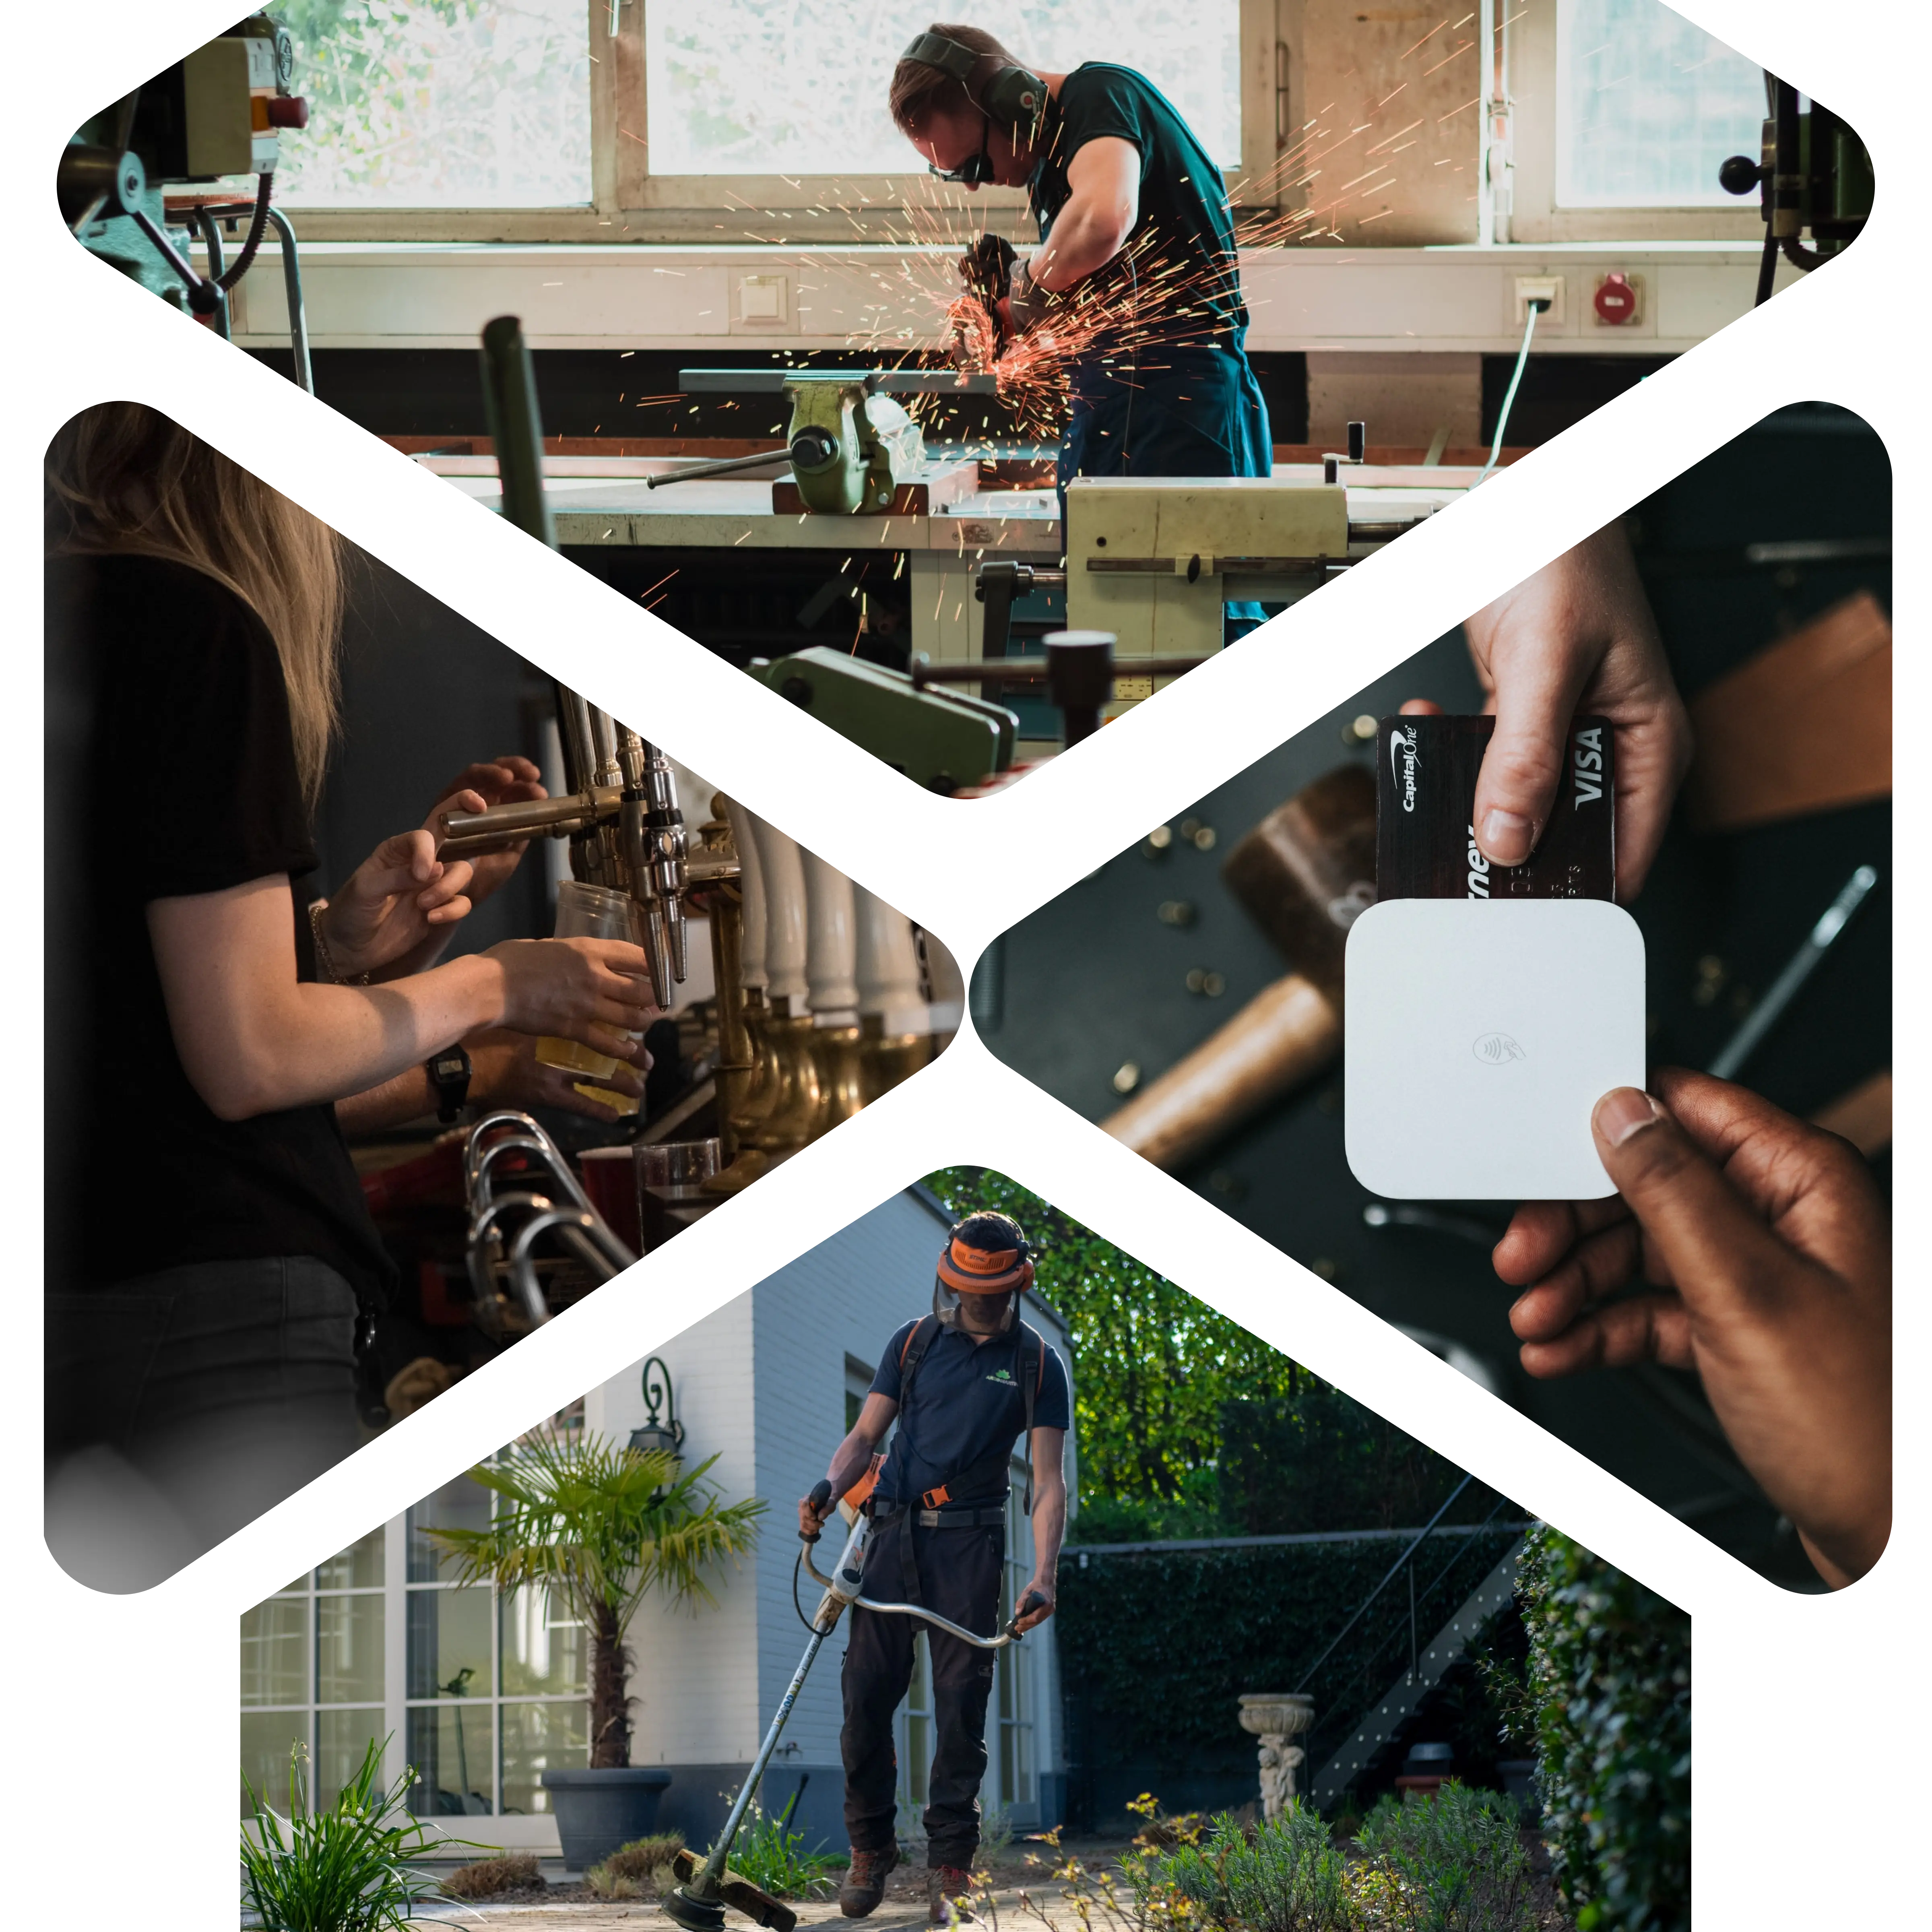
{"x":182,"y":1405}
{"x":1178,"y":410}
{"x":959,"y":1577}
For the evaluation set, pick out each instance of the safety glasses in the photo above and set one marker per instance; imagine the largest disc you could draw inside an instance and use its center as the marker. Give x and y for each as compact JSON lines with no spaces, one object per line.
{"x":975,"y":170}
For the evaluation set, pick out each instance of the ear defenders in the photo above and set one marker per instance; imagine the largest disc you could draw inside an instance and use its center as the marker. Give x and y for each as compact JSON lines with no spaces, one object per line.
{"x":971,"y":1271}
{"x":1011,"y":96}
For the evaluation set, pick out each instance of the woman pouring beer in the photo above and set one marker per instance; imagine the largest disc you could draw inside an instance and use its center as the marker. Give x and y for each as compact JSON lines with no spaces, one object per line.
{"x":209,"y":1257}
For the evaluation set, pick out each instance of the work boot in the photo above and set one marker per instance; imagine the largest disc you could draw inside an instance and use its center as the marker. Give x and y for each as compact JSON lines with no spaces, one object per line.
{"x":951,"y":1884}
{"x":866,"y":1882}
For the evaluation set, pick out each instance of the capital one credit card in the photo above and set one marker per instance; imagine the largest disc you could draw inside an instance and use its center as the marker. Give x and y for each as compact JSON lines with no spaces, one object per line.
{"x":1426,"y":808}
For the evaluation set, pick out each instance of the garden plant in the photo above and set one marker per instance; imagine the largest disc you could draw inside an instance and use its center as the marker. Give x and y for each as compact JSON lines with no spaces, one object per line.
{"x":341,"y":1867}
{"x":600,"y":1526}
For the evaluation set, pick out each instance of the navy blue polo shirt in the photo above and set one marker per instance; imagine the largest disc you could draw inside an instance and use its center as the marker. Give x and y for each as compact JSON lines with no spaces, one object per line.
{"x":966,"y":1404}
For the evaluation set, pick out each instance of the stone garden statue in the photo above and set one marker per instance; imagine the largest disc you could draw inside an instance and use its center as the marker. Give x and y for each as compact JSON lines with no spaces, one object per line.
{"x":1276,"y":1718}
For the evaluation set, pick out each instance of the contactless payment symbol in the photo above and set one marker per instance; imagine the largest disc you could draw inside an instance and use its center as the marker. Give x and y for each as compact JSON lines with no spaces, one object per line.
{"x":1497,"y":1049}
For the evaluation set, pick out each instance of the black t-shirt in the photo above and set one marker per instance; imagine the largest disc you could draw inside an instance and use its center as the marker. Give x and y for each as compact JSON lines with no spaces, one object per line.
{"x":170,"y":771}
{"x":1179,"y":271}
{"x":966,"y":1404}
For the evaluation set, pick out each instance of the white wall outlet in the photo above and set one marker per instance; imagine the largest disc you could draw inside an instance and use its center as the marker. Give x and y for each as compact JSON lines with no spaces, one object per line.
{"x":761,"y":301}
{"x":1539,"y":288}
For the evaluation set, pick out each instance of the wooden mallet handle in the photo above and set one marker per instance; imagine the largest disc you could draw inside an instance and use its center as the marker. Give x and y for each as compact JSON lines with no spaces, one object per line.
{"x":1286,"y":1033}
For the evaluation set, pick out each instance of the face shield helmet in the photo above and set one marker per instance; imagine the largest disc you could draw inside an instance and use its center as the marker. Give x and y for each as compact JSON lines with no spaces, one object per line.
{"x":985,"y":1254}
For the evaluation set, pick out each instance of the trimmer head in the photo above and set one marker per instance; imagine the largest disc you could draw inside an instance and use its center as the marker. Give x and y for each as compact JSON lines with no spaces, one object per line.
{"x":683,"y":1906}
{"x":695,"y":1914}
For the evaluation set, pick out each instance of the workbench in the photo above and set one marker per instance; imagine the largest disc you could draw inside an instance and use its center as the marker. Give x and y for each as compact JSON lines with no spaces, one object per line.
{"x":603,"y":503}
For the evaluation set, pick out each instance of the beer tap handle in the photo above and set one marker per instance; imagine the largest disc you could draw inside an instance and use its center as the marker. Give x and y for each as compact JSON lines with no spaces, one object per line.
{"x":831,"y":943}
{"x":887,"y":966}
{"x":750,"y":894}
{"x":783,"y":872}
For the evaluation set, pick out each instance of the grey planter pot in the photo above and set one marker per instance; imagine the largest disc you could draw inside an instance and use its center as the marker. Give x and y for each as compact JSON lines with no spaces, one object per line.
{"x":598,"y":1810}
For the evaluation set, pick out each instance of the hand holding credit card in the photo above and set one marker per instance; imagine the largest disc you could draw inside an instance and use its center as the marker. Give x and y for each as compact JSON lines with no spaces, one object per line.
{"x":1577,"y":636}
{"x":1425,"y":847}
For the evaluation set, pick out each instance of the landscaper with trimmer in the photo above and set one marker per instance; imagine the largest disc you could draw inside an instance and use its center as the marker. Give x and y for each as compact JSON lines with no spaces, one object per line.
{"x":964,"y":1384}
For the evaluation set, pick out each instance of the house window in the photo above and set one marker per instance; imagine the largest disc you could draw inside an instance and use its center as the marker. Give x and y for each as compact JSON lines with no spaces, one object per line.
{"x":478,"y":1693}
{"x":440,"y":103}
{"x":746,"y":87}
{"x":495,"y":1684}
{"x":1649,"y":106}
{"x":313,"y":1675}
{"x":915,"y":1736}
{"x":1014,"y":1696}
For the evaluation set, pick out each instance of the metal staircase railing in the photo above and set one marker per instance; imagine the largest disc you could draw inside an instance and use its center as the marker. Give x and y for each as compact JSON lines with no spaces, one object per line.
{"x":1370,"y":1676}
{"x":1426,"y":1670}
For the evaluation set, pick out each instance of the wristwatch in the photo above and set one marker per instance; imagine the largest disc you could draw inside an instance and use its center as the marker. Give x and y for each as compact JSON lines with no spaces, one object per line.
{"x":449,"y":1072}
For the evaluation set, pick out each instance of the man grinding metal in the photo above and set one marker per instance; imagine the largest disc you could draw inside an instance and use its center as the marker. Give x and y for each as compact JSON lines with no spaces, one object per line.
{"x":1136,"y":275}
{"x":964,"y":1384}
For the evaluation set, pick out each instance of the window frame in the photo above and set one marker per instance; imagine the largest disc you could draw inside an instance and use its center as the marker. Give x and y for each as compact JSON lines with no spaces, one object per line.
{"x":629,"y":204}
{"x":1533,"y":215}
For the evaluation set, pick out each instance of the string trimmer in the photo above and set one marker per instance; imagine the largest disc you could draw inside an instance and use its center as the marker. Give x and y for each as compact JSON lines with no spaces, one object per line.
{"x":698,"y":1903}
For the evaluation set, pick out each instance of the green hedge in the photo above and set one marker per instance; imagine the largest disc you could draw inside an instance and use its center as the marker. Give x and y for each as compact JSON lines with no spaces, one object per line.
{"x":1609,"y":1679}
{"x":1156,"y":1646}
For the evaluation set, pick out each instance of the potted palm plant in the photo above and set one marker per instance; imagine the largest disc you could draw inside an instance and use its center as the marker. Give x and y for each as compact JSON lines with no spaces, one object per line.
{"x":600,"y":1526}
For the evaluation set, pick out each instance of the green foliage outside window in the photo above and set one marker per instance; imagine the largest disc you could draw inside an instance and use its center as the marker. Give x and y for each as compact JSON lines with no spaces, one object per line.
{"x":439,"y":104}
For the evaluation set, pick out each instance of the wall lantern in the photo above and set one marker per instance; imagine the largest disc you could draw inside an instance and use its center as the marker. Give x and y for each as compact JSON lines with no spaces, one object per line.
{"x":661,"y":1430}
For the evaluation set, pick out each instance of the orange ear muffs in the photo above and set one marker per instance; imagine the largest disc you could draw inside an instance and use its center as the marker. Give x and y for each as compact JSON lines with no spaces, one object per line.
{"x":968,"y":1270}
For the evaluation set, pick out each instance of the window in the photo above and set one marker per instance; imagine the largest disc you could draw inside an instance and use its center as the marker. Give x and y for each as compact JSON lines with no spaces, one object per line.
{"x":1649,"y":106}
{"x":1621,"y":112}
{"x":440,"y":103}
{"x":480,"y":1694}
{"x":312,"y":1675}
{"x":1014,"y":1698}
{"x":495,"y":1685}
{"x":799,"y":87}
{"x":636,"y":120}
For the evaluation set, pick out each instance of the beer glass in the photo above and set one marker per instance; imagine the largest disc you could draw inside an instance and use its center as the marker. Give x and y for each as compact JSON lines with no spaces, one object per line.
{"x":591,"y":912}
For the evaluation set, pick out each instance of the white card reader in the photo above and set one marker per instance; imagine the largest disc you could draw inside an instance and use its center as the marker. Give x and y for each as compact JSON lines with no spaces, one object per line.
{"x":1478,"y":1035}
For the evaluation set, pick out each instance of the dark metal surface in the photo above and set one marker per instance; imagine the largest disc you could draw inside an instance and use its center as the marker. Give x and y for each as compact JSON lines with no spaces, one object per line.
{"x":1098,"y":981}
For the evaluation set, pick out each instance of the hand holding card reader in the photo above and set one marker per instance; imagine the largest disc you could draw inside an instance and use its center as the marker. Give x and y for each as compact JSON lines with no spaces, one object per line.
{"x":1488,"y":1008}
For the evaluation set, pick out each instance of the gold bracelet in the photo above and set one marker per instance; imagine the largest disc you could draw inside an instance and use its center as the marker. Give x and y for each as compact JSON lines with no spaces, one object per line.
{"x":325,"y":961}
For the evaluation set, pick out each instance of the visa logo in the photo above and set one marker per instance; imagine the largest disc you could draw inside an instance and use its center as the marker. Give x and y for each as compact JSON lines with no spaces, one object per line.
{"x":1587,"y":756}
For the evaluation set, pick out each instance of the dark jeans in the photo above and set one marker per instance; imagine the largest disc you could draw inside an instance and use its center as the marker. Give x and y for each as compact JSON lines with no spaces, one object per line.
{"x":181,"y":1405}
{"x":959,"y":1577}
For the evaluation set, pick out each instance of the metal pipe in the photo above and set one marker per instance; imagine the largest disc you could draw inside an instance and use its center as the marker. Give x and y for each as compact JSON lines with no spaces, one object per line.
{"x":723,"y":466}
{"x":292,"y":286}
{"x":211,"y":241}
{"x":516,"y":432}
{"x":573,"y":728}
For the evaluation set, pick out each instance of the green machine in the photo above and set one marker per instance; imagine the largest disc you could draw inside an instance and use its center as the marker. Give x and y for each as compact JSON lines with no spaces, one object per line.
{"x":217,"y":113}
{"x":849,"y":444}
{"x":943,"y":740}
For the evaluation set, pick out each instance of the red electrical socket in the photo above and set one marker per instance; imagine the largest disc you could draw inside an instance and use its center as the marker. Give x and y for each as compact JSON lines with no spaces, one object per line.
{"x":1616,"y":300}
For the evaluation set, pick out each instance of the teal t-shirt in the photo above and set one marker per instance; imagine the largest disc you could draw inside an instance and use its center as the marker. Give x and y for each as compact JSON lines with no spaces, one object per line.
{"x":1179,"y":268}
